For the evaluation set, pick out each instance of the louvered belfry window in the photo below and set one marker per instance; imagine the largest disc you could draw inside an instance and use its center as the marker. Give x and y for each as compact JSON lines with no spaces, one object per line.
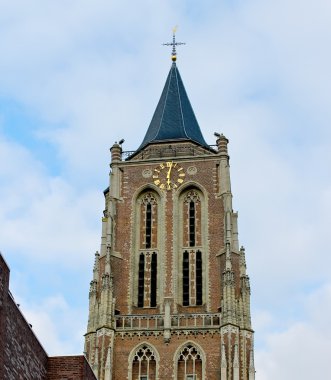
{"x":147,"y":267}
{"x":186,"y":279}
{"x":192,"y":223}
{"x":141,"y":280}
{"x":153,"y":279}
{"x":198,"y":278}
{"x":192,"y":258}
{"x":148,"y":225}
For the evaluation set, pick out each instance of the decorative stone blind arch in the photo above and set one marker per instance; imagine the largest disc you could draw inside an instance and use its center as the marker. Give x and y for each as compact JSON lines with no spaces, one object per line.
{"x":144,"y":361}
{"x":189,"y":361}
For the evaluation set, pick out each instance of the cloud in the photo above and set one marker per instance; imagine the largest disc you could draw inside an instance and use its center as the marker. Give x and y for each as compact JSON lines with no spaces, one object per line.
{"x":44,"y":217}
{"x":58,"y":327}
{"x":64,"y":66}
{"x":302,"y":350}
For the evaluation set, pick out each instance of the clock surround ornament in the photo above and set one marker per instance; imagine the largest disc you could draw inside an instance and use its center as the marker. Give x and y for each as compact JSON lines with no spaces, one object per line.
{"x":168,"y":175}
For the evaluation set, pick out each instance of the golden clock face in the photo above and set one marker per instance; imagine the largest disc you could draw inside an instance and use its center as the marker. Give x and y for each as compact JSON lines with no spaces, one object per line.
{"x":168,"y":175}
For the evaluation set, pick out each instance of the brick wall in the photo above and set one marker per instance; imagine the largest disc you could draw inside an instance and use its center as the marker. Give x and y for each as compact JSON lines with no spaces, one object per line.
{"x":4,"y":283}
{"x":210,"y":345}
{"x":69,"y":368}
{"x":22,"y":355}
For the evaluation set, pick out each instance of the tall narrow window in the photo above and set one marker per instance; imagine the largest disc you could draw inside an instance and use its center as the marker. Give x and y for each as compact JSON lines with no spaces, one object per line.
{"x":192,"y":264}
{"x":198,"y":278}
{"x":153,"y":279}
{"x":148,"y":221}
{"x":191,"y":219}
{"x":192,"y":223}
{"x":147,"y":280}
{"x":145,"y":284}
{"x":141,"y":280}
{"x":148,"y":227}
{"x":186,"y":279}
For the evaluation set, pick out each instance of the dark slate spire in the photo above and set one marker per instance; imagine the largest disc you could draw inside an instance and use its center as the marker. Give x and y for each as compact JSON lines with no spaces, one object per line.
{"x":173,"y":118}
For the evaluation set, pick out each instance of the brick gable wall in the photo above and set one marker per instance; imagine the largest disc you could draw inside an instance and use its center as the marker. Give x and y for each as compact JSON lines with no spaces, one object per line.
{"x":22,"y":357}
{"x":69,"y":368}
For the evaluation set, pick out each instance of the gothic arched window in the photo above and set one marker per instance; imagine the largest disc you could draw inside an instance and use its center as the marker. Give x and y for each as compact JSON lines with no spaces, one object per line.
{"x":148,"y":257}
{"x":144,"y":364}
{"x":189,"y":363}
{"x":192,"y":265}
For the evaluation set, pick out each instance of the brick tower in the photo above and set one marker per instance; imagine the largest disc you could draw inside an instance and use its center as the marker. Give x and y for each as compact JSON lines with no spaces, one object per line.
{"x":170,"y":297}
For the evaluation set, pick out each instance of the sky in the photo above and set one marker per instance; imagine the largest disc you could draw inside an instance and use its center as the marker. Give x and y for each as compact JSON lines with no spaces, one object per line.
{"x":77,"y":76}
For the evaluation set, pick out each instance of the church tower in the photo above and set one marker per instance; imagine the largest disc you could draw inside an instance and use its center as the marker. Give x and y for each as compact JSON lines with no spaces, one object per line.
{"x":170,"y":296}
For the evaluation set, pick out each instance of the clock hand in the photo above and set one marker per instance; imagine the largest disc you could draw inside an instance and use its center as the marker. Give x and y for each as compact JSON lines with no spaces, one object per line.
{"x":169,"y":171}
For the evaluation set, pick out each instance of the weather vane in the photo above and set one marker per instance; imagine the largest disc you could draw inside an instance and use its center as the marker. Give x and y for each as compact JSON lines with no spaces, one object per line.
{"x":174,"y":44}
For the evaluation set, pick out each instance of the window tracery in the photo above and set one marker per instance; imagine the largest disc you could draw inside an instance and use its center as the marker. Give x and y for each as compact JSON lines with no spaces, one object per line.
{"x":144,"y":365}
{"x":189,"y":363}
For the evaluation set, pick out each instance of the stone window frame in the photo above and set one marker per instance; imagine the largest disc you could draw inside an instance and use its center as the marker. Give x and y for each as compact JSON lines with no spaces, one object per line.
{"x":199,"y":350}
{"x":179,"y":247}
{"x":133,"y":354}
{"x":136,"y":249}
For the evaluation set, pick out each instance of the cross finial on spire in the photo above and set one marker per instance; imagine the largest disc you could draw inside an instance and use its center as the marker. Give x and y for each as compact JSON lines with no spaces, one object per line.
{"x":174,"y":44}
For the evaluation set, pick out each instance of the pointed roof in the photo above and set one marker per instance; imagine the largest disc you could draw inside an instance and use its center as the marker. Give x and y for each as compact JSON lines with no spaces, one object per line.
{"x":173,"y":118}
